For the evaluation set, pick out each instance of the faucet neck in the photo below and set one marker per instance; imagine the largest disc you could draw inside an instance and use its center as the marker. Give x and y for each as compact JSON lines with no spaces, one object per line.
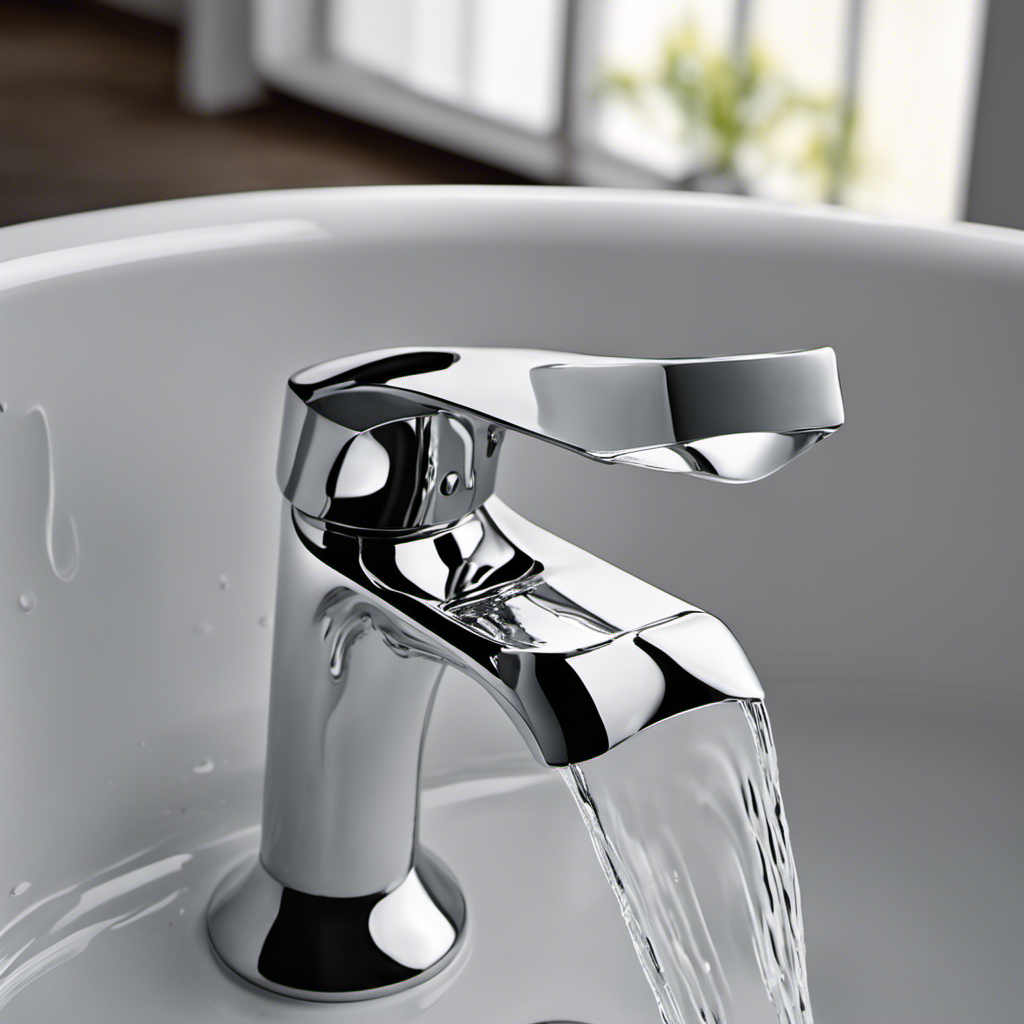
{"x":347,"y":717}
{"x":342,"y":902}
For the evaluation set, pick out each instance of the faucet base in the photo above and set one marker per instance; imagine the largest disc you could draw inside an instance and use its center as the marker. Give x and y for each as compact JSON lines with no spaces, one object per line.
{"x":337,"y":949}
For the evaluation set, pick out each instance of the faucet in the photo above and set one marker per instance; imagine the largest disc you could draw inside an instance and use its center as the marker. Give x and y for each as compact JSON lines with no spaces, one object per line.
{"x":397,"y":562}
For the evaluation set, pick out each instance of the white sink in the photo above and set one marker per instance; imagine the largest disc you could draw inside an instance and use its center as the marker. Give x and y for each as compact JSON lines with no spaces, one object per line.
{"x":875,"y":584}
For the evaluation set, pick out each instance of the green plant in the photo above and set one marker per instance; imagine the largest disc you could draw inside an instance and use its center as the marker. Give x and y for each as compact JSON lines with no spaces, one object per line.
{"x":741,"y":117}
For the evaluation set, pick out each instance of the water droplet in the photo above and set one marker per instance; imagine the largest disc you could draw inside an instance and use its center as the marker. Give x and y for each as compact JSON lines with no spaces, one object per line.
{"x":266,"y":621}
{"x":21,"y":888}
{"x":707,"y":967}
{"x":3,"y":407}
{"x":142,"y":743}
{"x":202,"y":628}
{"x":337,"y":663}
{"x":224,"y":582}
{"x":449,"y":483}
{"x":181,"y":911}
{"x":27,"y":602}
{"x":61,"y":531}
{"x":204,"y":767}
{"x":675,"y":876}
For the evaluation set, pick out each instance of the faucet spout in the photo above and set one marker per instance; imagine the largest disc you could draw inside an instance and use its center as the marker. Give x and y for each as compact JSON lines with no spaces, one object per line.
{"x":580,"y":654}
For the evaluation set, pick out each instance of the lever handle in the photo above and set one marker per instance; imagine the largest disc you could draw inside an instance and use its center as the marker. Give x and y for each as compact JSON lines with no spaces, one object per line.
{"x":409,"y":438}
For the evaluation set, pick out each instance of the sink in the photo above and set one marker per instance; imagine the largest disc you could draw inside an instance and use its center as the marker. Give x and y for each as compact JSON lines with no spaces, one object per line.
{"x":141,"y":349}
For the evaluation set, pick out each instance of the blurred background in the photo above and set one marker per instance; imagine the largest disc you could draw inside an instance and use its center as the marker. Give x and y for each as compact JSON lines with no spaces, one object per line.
{"x":904,"y":108}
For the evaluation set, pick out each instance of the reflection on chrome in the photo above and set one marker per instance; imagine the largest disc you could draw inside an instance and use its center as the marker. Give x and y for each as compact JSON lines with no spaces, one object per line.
{"x":368,"y":439}
{"x":397,"y":561}
{"x":386,"y":941}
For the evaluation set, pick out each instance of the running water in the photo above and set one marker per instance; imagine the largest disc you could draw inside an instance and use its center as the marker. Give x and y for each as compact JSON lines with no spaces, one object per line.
{"x":689,"y":827}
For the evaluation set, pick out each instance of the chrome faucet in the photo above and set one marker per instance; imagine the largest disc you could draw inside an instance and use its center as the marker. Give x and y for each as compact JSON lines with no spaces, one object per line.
{"x":398,"y":561}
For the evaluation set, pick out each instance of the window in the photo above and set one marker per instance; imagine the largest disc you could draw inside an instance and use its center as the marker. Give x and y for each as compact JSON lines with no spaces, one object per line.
{"x":500,"y":58}
{"x":865,"y":102}
{"x":869,"y":103}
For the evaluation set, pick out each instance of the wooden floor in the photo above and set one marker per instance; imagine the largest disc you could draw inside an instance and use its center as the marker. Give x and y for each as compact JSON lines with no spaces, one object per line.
{"x":88,"y":119}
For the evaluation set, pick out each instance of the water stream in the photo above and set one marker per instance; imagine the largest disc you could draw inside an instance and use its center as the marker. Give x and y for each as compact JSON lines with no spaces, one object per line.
{"x":689,"y":827}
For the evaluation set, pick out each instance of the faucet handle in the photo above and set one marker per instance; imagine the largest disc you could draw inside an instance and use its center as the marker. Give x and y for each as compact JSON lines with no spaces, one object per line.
{"x":408,"y":438}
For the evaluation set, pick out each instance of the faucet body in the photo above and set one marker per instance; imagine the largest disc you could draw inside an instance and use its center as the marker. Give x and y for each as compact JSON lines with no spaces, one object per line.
{"x":397,"y":562}
{"x":578,"y":653}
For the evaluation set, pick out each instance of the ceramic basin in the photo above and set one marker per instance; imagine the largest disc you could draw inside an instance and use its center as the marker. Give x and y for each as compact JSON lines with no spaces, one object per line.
{"x":875,"y":583}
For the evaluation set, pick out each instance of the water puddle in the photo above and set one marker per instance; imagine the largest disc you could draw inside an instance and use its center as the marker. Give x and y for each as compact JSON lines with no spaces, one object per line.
{"x":60,"y":926}
{"x":157,"y":876}
{"x":689,"y":827}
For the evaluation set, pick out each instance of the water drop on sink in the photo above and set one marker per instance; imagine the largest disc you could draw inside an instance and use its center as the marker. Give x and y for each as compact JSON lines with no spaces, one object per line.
{"x":3,"y":407}
{"x":21,"y":888}
{"x":224,"y":583}
{"x":202,"y":628}
{"x":204,"y":767}
{"x":707,"y":967}
{"x":266,"y":621}
{"x":61,"y":531}
{"x":27,"y":602}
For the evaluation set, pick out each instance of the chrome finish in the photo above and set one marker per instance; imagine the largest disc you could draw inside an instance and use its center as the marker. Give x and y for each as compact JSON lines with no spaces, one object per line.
{"x":370,"y":611}
{"x":373,"y":441}
{"x":331,"y":949}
